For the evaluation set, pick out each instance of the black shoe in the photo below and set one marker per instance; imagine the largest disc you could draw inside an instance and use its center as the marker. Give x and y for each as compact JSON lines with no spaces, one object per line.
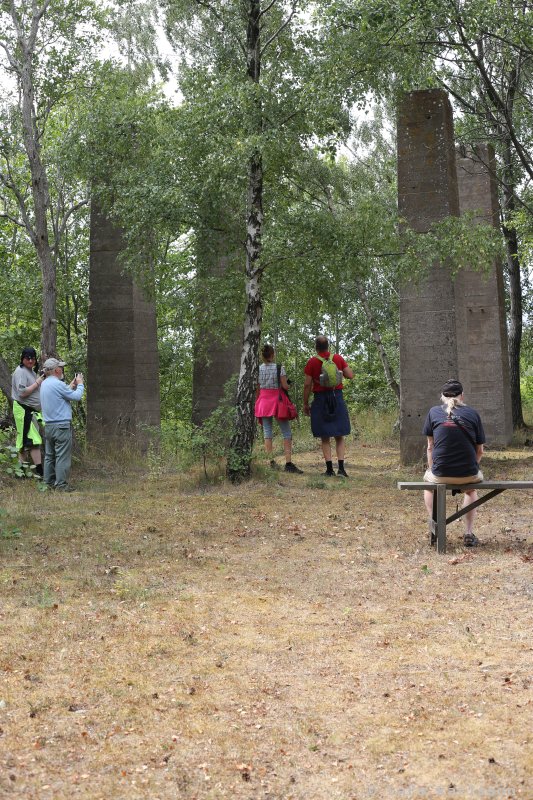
{"x":469,"y":540}
{"x":65,"y":489}
{"x":342,"y":473}
{"x":290,"y":467}
{"x":329,"y":473}
{"x":273,"y":464}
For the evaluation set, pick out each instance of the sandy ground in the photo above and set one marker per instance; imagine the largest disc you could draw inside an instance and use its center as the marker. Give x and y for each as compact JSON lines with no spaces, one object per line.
{"x":289,"y":638}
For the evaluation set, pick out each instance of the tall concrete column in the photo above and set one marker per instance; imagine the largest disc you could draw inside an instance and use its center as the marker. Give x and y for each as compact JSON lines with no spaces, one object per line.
{"x":218,"y":339}
{"x":480,"y":306}
{"x":123,"y":364}
{"x":427,"y":193}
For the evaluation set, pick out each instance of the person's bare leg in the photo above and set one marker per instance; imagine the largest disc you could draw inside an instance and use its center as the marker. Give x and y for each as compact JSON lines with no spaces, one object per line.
{"x":428,"y":500}
{"x":470,"y":497}
{"x":35,"y":453}
{"x":340,"y":447}
{"x":268,"y":446}
{"x":287,"y":447}
{"x":326,"y":449}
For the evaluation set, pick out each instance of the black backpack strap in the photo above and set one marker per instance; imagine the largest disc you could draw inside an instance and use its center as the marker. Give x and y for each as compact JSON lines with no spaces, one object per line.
{"x":463,"y":429}
{"x":278,"y":370}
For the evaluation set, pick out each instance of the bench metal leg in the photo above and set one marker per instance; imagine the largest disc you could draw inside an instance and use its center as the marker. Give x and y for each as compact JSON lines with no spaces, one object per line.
{"x":432,"y":522}
{"x":432,"y":526}
{"x":441,"y":518}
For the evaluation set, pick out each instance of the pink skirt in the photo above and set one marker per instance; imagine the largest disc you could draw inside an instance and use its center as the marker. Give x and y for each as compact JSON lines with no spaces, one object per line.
{"x":266,"y":404}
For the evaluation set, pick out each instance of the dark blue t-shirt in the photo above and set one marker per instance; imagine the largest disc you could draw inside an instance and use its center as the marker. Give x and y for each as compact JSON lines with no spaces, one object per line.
{"x":454,"y":456}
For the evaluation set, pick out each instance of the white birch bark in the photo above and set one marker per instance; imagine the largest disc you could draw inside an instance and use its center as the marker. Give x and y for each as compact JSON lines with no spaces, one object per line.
{"x":244,"y":427}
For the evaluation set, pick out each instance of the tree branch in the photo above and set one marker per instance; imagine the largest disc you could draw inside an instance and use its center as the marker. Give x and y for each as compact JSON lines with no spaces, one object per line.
{"x":280,"y":29}
{"x":15,"y":64}
{"x":9,"y":183}
{"x":220,"y":18}
{"x":72,"y":210}
{"x":267,"y":9}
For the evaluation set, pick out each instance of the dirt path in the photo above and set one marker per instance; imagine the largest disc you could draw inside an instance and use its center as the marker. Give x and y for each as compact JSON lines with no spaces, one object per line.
{"x":289,"y":638}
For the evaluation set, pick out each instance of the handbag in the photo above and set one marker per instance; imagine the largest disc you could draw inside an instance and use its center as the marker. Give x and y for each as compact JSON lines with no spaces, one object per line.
{"x":285,"y":408}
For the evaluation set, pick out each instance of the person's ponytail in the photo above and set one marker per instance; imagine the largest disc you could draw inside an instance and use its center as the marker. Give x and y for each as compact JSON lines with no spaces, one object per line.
{"x":449,"y":403}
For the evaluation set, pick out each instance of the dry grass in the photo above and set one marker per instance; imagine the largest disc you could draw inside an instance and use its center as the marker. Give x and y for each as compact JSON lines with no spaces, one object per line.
{"x":289,"y":638}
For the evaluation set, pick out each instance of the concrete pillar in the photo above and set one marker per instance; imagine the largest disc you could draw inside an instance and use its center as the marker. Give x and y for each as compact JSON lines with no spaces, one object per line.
{"x":123,"y":364}
{"x":427,"y":193}
{"x":217,"y":344}
{"x":480,"y":306}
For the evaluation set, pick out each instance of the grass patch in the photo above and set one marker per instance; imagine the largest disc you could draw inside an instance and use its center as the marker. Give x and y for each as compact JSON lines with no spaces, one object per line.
{"x":375,"y":427}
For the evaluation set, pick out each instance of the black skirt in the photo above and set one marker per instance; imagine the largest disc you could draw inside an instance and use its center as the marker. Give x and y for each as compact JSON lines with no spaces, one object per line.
{"x":329,"y":414}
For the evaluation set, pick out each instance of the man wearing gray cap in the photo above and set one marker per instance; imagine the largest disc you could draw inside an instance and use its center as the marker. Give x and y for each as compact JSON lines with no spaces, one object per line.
{"x":56,"y":398}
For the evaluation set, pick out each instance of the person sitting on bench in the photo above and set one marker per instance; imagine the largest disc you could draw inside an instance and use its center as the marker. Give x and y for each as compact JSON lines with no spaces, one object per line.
{"x":455,"y":439}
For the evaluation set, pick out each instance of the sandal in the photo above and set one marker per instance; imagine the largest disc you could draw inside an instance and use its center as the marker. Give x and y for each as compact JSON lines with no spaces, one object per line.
{"x":470,"y":540}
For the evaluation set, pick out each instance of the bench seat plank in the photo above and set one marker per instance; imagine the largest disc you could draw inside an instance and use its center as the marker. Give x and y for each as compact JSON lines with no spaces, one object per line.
{"x":479,"y":485}
{"x":438,"y":522}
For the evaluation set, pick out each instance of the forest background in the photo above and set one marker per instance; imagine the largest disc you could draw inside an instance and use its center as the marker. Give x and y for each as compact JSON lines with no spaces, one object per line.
{"x":265,"y":128}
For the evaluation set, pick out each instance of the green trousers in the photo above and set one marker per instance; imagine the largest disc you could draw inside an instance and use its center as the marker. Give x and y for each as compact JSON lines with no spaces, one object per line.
{"x":26,"y":421}
{"x":57,"y":454}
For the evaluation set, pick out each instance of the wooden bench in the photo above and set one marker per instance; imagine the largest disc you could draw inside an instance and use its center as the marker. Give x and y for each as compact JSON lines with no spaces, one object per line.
{"x":438,"y":522}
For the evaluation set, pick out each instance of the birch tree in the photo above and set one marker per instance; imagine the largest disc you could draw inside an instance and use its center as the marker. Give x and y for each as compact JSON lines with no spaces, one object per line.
{"x":247,"y":65}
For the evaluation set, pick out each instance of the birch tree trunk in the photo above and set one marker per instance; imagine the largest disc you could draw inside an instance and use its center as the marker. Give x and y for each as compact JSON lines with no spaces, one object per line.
{"x":242,"y":439}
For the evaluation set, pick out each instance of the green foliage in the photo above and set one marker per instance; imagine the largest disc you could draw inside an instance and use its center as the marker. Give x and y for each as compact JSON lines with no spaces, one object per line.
{"x":369,"y":389}
{"x":7,"y":531}
{"x":371,"y":426}
{"x":184,"y":444}
{"x":175,"y":179}
{"x":211,"y":439}
{"x":459,"y":242}
{"x":9,"y":462}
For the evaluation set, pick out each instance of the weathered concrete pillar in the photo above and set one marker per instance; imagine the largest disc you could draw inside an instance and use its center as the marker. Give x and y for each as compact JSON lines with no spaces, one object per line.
{"x":480,"y":306}
{"x":427,"y":193}
{"x":123,"y":365}
{"x":218,"y":340}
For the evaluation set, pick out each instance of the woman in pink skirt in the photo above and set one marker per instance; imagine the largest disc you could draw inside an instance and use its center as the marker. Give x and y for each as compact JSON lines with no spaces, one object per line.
{"x":267,"y":403}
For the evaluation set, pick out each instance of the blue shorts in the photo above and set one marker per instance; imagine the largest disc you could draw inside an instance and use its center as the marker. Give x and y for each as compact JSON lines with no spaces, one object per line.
{"x":284,"y":425}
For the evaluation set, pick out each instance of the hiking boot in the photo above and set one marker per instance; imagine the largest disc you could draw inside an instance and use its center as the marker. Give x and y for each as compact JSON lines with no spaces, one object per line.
{"x":329,"y":473}
{"x":273,"y":464}
{"x":290,"y":467}
{"x":469,"y":540}
{"x":342,"y":473}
